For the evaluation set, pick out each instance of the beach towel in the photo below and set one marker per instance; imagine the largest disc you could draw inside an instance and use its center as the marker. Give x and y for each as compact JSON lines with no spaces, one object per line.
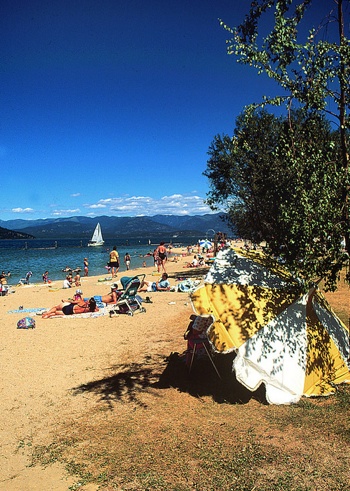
{"x":26,"y":311}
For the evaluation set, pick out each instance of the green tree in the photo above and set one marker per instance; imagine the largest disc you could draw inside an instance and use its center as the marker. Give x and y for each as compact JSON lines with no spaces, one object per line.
{"x":314,"y":72}
{"x":279,"y":182}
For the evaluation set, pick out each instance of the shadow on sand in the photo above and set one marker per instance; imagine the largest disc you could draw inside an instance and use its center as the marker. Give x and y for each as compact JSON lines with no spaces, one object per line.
{"x":128,"y":382}
{"x":204,"y":381}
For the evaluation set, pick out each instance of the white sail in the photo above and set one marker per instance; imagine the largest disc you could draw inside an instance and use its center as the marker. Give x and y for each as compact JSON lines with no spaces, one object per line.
{"x":97,"y":239}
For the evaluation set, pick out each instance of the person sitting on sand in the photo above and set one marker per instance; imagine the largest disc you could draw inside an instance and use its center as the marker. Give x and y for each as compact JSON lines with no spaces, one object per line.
{"x":67,"y":283}
{"x":113,"y":296}
{"x":72,"y":307}
{"x":77,"y":280}
{"x":163,"y":285}
{"x":193,"y":263}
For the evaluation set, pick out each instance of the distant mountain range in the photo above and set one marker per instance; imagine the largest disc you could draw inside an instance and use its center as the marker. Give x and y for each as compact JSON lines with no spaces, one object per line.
{"x":11,"y":234}
{"x":115,"y":227}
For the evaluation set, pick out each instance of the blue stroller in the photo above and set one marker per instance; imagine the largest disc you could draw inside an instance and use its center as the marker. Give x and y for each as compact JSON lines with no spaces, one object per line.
{"x":128,"y":301}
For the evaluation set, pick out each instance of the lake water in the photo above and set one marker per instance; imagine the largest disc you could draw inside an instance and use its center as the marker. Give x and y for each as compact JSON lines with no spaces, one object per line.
{"x":39,"y":255}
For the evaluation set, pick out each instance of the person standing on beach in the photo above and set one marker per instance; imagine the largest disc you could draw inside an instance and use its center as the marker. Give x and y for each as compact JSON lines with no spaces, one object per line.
{"x":161,"y":253}
{"x":114,"y":261}
{"x":127,"y":260}
{"x":86,"y":267}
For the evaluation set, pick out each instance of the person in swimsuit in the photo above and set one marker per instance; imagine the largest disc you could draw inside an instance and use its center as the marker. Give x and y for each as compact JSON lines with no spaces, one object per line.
{"x":72,"y":307}
{"x":112,"y":297}
{"x":86,"y":266}
{"x":161,"y":254}
{"x":114,"y":261}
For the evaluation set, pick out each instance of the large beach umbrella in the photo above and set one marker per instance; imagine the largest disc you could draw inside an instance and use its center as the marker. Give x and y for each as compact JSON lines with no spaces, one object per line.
{"x":288,"y":340}
{"x":205,"y":243}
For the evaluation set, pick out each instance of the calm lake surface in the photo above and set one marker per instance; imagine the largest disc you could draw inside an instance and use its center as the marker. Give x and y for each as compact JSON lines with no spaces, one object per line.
{"x":39,"y":255}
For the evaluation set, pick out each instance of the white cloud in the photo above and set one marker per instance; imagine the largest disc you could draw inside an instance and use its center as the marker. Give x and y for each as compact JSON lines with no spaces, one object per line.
{"x":22,"y":210}
{"x":176,"y":204}
{"x":68,"y":212}
{"x":75,"y":195}
{"x":97,"y":205}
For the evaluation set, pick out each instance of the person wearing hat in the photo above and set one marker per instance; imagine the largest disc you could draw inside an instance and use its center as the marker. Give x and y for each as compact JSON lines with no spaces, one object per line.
{"x":78,"y":295}
{"x":113,"y":296}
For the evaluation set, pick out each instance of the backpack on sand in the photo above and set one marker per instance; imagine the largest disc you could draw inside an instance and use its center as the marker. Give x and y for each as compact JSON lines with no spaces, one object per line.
{"x":26,"y":323}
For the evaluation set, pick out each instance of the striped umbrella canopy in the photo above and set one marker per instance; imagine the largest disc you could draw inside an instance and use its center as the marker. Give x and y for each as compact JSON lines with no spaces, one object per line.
{"x":288,"y":340}
{"x":205,"y":243}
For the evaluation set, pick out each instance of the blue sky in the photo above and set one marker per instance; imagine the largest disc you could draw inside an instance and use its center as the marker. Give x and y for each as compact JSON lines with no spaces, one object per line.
{"x":109,"y":107}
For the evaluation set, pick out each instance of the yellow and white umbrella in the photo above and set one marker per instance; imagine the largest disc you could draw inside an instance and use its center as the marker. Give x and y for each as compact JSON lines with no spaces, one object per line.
{"x":290,"y":341}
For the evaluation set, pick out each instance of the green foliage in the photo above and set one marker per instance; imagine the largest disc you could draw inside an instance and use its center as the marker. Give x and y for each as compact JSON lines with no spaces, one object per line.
{"x":310,"y":70}
{"x":279,"y":181}
{"x":287,"y":181}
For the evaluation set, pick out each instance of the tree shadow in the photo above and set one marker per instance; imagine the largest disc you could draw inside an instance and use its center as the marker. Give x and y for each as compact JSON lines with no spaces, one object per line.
{"x":188,"y":273}
{"x":130,"y":382}
{"x":125,"y":385}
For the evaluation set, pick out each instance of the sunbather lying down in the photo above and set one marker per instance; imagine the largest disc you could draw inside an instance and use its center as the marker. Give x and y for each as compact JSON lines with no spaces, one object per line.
{"x":70,"y":308}
{"x":162,"y":285}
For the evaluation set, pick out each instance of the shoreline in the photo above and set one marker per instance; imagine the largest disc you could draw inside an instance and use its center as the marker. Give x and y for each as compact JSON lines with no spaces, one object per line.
{"x":56,"y":262}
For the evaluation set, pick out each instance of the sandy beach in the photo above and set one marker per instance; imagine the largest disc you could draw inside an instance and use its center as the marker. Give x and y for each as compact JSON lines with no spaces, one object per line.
{"x":41,"y":367}
{"x":113,"y":398}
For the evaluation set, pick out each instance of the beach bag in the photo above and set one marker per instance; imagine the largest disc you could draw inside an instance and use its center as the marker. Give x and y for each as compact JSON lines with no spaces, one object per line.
{"x":26,"y":323}
{"x":187,"y":286}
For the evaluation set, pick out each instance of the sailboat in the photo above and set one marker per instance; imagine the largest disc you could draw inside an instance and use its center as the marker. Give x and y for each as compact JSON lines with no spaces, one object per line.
{"x":96,"y":239}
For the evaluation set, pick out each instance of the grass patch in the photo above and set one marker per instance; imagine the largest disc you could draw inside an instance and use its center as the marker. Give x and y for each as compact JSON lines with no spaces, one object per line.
{"x":202,"y":445}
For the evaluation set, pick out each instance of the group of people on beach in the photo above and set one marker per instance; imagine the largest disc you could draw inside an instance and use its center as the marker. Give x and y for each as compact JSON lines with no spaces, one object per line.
{"x":79,"y":305}
{"x":75,"y":305}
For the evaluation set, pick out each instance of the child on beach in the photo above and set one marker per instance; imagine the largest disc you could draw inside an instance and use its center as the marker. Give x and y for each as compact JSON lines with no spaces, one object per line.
{"x":127,"y":260}
{"x":77,"y":280}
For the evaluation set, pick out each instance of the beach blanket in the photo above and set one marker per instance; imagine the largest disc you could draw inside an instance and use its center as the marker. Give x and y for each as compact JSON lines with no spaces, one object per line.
{"x":38,"y":311}
{"x":86,"y":315}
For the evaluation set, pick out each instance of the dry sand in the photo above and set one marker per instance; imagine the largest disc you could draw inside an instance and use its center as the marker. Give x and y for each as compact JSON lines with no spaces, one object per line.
{"x":41,"y":367}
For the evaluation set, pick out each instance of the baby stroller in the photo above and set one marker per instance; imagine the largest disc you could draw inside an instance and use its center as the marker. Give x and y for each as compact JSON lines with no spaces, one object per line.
{"x":128,"y":301}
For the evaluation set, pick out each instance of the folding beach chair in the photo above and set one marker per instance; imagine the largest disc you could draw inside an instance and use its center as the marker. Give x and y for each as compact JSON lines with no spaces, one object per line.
{"x":128,"y":300}
{"x":197,"y":341}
